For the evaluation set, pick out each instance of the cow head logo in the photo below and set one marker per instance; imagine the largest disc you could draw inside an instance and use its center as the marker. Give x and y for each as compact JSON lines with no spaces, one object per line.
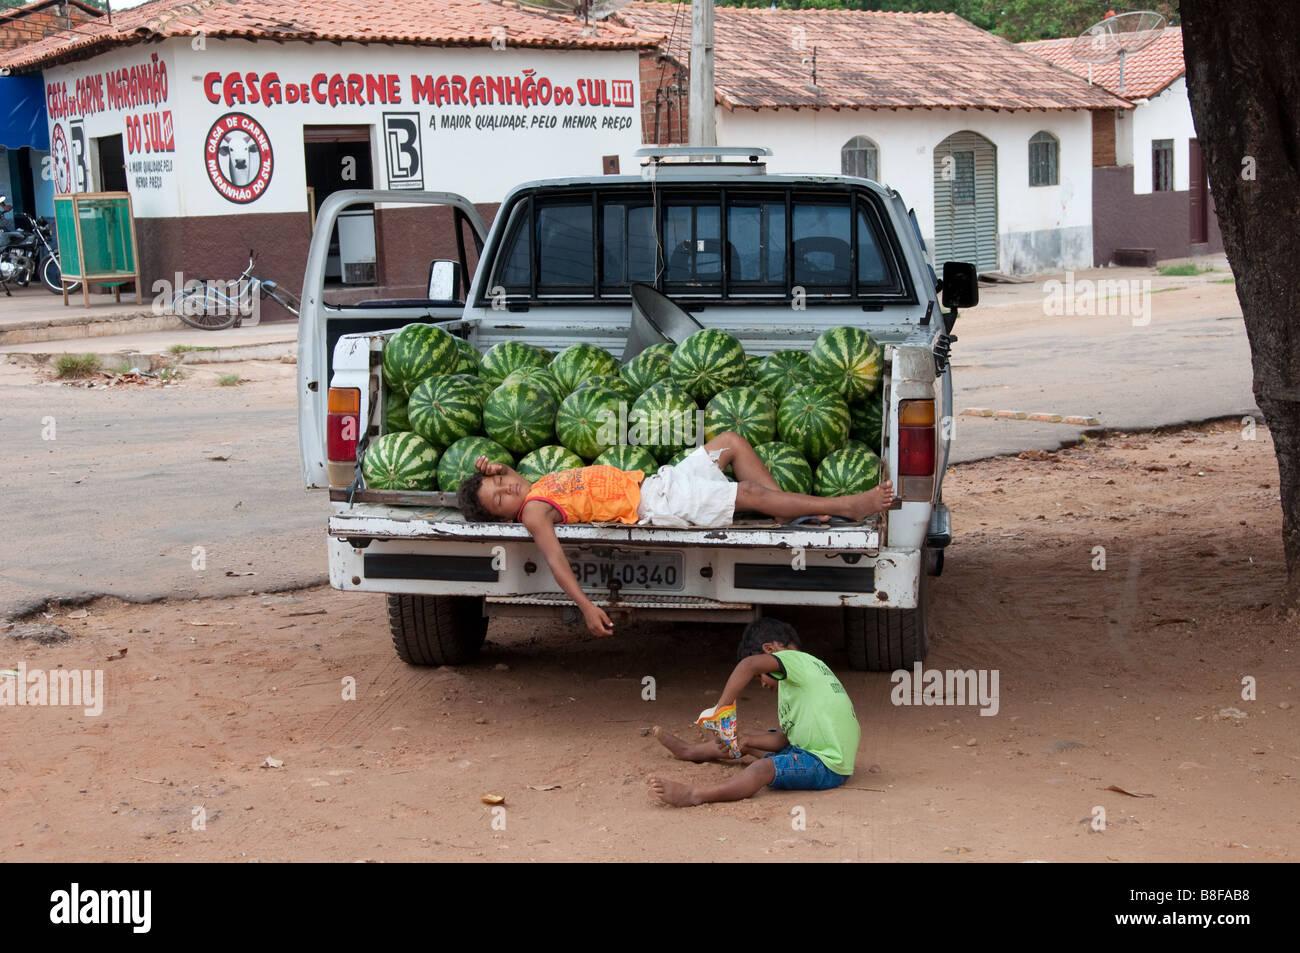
{"x":238,"y":157}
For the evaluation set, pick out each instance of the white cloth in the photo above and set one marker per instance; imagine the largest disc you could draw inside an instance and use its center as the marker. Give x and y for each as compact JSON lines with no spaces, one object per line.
{"x":692,"y":493}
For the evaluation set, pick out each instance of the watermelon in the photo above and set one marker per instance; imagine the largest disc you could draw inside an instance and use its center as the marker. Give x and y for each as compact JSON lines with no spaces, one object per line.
{"x":458,"y":460}
{"x":519,"y":416}
{"x":587,"y":421}
{"x":614,"y":382}
{"x":787,"y":466}
{"x":866,"y":421}
{"x":848,"y":360}
{"x":814,"y":419}
{"x":679,"y":456}
{"x":415,"y":352}
{"x":845,"y":472}
{"x":548,"y":459}
{"x":746,"y":410}
{"x":706,"y":362}
{"x":579,"y":362}
{"x":445,"y":408}
{"x":780,"y":373}
{"x":539,"y":376}
{"x":395,"y":417}
{"x":648,"y":367}
{"x":852,"y":444}
{"x":628,"y":458}
{"x":663,"y":420}
{"x":751,"y":368}
{"x":481,"y":387}
{"x":509,"y":356}
{"x":400,"y":461}
{"x":467,"y":358}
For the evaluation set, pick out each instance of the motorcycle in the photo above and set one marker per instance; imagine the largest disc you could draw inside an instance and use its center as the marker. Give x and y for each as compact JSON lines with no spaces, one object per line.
{"x":27,"y":251}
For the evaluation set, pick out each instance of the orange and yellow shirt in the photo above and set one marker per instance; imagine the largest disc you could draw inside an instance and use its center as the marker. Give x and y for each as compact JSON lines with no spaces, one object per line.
{"x":590,"y":494}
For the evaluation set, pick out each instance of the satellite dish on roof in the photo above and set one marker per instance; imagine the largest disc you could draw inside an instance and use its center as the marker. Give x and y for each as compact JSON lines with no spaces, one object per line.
{"x":1115,"y":37}
{"x":589,"y":10}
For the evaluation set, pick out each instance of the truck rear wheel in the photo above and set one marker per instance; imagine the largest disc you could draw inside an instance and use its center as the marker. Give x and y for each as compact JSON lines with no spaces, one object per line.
{"x":436,"y":630}
{"x":884,"y":640}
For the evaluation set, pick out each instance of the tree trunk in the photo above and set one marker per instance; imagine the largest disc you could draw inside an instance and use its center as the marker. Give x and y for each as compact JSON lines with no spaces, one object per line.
{"x":1243,"y":78}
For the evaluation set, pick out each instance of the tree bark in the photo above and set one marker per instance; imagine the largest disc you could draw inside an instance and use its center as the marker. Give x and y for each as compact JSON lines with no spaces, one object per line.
{"x":1243,"y":78}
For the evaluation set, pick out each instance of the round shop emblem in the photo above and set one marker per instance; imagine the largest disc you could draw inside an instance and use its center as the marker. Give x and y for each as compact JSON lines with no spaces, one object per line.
{"x":237,"y":154}
{"x":61,"y":158}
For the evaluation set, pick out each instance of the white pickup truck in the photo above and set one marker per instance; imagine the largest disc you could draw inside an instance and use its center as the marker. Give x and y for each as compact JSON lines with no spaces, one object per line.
{"x":804,"y":253}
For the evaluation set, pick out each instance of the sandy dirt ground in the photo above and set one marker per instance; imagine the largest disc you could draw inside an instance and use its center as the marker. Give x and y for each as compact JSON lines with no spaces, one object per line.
{"x":1129,"y":676}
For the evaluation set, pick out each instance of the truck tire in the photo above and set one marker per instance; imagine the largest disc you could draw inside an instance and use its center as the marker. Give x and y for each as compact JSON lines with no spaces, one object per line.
{"x":884,"y":640}
{"x":436,"y":630}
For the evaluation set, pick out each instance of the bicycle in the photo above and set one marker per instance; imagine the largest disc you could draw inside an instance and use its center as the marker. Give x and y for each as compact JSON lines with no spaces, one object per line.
{"x":209,"y":308}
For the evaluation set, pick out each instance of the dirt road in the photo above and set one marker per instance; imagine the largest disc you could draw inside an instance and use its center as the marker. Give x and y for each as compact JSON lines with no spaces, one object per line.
{"x":1130,"y":676}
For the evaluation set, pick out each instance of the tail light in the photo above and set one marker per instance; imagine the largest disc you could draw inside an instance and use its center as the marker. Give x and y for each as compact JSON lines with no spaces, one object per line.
{"x":342,"y":430}
{"x":916,"y":457}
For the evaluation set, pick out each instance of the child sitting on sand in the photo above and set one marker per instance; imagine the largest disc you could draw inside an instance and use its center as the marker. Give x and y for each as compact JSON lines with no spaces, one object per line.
{"x":816,"y":744}
{"x":692,"y":493}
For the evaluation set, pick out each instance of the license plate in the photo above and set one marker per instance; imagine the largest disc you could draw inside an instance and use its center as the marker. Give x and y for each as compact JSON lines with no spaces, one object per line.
{"x":648,"y":572}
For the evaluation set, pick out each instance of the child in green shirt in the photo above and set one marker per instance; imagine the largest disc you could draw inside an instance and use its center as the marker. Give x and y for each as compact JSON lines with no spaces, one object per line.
{"x":816,"y":744}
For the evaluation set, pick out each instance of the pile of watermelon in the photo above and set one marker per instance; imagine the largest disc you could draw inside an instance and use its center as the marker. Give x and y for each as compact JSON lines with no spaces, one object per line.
{"x":814,"y":417}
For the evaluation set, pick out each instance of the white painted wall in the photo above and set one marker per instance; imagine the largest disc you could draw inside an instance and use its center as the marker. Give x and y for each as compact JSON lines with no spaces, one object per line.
{"x":480,"y":163}
{"x":810,"y":141}
{"x":1166,"y":116}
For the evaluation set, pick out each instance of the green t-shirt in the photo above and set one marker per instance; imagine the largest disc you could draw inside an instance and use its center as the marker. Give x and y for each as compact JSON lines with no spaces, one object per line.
{"x":815,"y":711}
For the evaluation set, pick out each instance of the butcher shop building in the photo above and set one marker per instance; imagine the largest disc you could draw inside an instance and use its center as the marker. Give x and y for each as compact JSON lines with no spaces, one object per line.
{"x":229,"y":123}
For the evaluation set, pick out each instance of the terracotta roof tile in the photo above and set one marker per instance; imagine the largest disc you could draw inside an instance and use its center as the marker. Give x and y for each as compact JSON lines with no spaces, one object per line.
{"x":1146,"y":71}
{"x":867,"y":60}
{"x":424,"y":22}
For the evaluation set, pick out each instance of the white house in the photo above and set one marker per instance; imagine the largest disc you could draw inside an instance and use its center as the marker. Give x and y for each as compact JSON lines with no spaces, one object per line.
{"x":992,"y":146}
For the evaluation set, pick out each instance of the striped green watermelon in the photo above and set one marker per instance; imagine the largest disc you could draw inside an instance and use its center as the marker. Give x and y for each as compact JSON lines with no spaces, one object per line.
{"x":848,"y":360}
{"x":578,"y":362}
{"x":648,"y":367}
{"x":846,"y":472}
{"x":468,"y":358}
{"x":867,"y":419}
{"x":814,"y":419}
{"x":445,"y":408}
{"x":395,"y":417}
{"x":787,"y":466}
{"x":415,"y":352}
{"x":852,"y":444}
{"x":679,"y":456}
{"x":519,"y":416}
{"x":751,"y":368}
{"x":706,"y":362}
{"x":509,"y":356}
{"x":663,"y":420}
{"x":539,"y":376}
{"x":588,"y":420}
{"x":746,"y":410}
{"x":548,"y":459}
{"x":614,"y":382}
{"x":458,"y":460}
{"x":481,"y":387}
{"x":782,"y":372}
{"x":400,"y":461}
{"x":628,"y":458}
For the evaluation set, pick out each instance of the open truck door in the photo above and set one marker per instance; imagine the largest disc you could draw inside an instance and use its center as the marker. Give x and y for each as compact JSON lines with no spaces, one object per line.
{"x":425,"y":243}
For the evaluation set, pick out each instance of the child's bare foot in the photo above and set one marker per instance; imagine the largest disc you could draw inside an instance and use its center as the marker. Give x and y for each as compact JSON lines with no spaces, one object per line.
{"x":671,"y":742}
{"x":861,"y":505}
{"x":671,"y":792}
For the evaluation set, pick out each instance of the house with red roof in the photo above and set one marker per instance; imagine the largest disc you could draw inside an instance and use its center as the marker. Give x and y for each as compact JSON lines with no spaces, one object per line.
{"x":991,"y":145}
{"x":230,"y":122}
{"x":1151,"y":195}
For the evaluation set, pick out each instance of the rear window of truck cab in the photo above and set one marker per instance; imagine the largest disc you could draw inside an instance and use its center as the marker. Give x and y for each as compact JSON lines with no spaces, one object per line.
{"x":733,"y":244}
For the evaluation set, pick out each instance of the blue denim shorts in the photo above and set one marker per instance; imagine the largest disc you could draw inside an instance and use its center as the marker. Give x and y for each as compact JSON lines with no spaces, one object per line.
{"x":797,"y":770}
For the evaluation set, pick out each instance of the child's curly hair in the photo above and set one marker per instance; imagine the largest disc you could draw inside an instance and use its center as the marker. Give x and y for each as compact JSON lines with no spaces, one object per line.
{"x":765,"y":630}
{"x":471,"y":507}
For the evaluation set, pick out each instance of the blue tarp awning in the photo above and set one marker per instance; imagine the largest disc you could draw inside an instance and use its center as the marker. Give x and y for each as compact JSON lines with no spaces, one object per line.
{"x":22,"y":113}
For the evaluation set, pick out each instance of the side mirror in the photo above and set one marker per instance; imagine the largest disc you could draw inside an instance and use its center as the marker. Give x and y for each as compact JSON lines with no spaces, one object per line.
{"x":961,"y":285}
{"x":444,"y":280}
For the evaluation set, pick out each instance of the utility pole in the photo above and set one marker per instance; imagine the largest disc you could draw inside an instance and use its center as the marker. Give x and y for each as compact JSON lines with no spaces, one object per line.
{"x":704,"y":130}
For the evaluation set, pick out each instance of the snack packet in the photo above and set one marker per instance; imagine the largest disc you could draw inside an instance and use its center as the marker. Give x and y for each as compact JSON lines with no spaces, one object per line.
{"x":723,"y":721}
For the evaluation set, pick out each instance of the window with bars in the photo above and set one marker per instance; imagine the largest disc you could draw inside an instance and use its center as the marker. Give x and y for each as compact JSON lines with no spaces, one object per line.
{"x":861,"y":157}
{"x":1162,"y":165}
{"x":1044,"y":159}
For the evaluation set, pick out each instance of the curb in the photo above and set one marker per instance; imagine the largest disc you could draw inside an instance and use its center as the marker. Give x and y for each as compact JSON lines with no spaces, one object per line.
{"x":1075,"y":420}
{"x":153,"y":360}
{"x":80,"y":326}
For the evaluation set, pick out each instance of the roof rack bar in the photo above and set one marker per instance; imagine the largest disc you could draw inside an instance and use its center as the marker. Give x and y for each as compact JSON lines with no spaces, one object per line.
{"x":659,"y":153}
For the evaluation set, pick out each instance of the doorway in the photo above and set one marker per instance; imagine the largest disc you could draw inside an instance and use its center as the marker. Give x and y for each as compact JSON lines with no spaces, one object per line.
{"x":337,"y":158}
{"x":1198,"y":197}
{"x":966,"y":201}
{"x":112,"y":163}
